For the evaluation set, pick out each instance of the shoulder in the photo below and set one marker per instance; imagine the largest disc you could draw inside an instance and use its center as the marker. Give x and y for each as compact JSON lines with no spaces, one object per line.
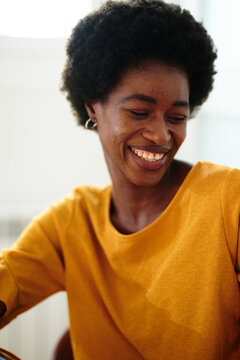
{"x":214,"y":176}
{"x":210,"y":180}
{"x":206,"y":169}
{"x":218,"y":175}
{"x":219,"y":185}
{"x":80,"y":201}
{"x":80,"y":195}
{"x":209,"y":168}
{"x":89,"y":194}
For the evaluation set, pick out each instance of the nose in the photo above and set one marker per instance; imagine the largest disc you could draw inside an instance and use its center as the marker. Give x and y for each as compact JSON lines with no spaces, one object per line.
{"x":157,"y":131}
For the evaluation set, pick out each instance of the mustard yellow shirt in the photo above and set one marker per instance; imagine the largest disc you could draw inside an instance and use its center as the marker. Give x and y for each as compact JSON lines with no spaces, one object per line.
{"x":167,"y":292}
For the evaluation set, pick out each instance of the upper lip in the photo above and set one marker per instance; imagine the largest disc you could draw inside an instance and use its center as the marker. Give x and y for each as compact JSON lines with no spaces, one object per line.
{"x":151,"y":148}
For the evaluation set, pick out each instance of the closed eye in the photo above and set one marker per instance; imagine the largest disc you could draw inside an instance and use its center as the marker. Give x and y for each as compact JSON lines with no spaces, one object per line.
{"x":138,"y":113}
{"x":177,"y":118}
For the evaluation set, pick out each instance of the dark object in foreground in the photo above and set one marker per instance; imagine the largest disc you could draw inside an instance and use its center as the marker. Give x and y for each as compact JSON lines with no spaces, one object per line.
{"x":63,"y":349}
{"x":6,"y":355}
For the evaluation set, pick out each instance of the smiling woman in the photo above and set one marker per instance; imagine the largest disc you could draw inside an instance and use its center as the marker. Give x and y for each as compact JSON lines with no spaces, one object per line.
{"x":146,"y":129}
{"x":150,"y":263}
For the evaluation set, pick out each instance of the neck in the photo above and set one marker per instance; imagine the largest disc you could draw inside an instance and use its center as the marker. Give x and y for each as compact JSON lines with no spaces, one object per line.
{"x":133,"y":200}
{"x":134,"y":207}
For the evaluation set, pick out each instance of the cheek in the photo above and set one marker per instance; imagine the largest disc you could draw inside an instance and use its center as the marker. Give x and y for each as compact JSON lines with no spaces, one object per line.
{"x":178,"y":135}
{"x":114,"y":131}
{"x":182,"y":133}
{"x":112,"y":138}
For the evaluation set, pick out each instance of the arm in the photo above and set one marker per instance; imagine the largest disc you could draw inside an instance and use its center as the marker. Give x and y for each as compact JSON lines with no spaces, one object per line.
{"x":32,"y":269}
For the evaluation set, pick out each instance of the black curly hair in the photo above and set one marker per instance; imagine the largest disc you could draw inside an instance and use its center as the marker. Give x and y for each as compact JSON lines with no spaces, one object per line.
{"x":121,"y":34}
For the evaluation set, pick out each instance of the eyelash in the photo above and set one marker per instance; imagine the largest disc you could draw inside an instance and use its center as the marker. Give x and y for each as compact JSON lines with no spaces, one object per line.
{"x":138,"y":113}
{"x":177,"y":118}
{"x":170,"y":118}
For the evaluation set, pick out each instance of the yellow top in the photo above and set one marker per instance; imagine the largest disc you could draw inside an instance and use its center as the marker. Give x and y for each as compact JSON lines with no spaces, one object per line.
{"x":167,"y":292}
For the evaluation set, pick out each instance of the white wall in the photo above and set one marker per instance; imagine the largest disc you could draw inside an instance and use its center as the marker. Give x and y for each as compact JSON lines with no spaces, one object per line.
{"x":220,"y":124}
{"x":43,"y":154}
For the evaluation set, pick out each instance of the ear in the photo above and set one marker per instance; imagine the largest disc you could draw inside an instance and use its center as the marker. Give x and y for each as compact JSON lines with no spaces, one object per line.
{"x":91,"y":109}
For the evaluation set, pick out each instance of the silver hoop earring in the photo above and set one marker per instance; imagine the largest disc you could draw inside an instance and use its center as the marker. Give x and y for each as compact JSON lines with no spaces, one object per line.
{"x":90,"y":124}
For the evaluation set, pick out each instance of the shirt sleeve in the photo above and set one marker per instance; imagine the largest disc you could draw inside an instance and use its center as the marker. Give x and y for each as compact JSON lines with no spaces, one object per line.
{"x":33,"y":268}
{"x":231,"y":215}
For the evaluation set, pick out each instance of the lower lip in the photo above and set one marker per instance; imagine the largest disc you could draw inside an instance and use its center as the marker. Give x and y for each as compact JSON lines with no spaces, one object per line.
{"x":155,"y":165}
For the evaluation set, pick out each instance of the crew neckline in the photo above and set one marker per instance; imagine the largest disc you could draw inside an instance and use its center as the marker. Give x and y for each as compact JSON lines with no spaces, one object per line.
{"x":112,"y":231}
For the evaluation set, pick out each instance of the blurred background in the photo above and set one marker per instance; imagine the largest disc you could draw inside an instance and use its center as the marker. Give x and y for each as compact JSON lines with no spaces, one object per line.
{"x":43,"y":154}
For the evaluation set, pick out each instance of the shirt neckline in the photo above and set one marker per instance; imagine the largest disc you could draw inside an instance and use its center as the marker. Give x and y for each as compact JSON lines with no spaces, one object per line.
{"x":113,"y":232}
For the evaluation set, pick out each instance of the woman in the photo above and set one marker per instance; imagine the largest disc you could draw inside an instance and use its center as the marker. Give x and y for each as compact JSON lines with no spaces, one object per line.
{"x":149,"y":263}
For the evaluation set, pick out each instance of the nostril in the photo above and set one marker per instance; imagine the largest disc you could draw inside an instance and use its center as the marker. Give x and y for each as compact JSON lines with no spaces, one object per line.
{"x":158,"y":135}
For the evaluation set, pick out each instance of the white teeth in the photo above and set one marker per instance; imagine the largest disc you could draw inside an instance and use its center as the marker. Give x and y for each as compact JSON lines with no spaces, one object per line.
{"x":151,"y":157}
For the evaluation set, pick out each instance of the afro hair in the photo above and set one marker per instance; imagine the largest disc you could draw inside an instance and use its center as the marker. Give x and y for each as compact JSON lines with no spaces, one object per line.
{"x":121,"y":34}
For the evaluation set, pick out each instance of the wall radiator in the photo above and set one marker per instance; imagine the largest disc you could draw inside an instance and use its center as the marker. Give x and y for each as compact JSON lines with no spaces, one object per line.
{"x":34,"y":334}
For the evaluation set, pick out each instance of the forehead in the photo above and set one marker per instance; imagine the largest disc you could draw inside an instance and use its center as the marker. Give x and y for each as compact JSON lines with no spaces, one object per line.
{"x":155,"y":79}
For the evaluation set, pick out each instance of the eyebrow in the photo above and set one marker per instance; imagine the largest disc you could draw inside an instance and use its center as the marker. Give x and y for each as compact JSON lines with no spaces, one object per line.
{"x":151,"y":100}
{"x":138,"y":97}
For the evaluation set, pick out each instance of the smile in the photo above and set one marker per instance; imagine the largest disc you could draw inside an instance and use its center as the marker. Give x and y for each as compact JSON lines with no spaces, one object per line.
{"x":147,"y":155}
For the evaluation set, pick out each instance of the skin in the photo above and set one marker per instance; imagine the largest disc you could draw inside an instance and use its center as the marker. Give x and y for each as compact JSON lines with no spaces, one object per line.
{"x":147,"y":112}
